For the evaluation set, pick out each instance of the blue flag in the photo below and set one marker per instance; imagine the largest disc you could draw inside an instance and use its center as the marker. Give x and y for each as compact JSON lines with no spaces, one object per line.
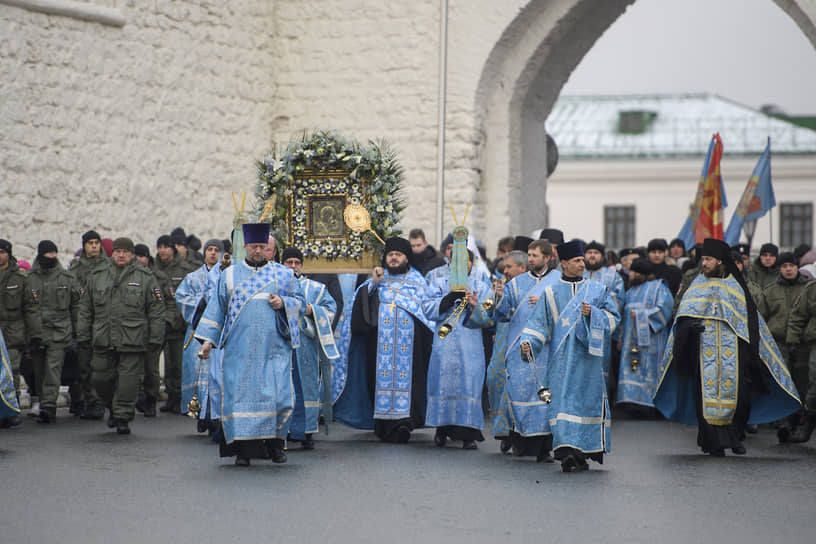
{"x":756,"y":200}
{"x":687,"y":232}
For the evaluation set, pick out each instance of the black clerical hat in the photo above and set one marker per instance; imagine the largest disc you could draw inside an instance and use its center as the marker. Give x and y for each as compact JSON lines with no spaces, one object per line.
{"x":554,"y":236}
{"x":570,"y":250}
{"x":520,"y":243}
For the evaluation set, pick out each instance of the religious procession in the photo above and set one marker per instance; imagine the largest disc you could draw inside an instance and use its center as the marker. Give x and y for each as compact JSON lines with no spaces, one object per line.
{"x":314,"y":311}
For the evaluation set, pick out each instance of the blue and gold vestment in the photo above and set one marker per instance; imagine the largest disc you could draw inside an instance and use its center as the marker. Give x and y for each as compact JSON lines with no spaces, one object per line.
{"x":720,"y":304}
{"x":645,"y":327}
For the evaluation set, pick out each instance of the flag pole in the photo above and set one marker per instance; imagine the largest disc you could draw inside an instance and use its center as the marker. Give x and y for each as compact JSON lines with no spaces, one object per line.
{"x":770,"y":223}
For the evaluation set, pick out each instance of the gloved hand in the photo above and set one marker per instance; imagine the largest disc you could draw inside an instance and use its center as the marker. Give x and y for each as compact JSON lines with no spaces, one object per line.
{"x":697,"y":326}
{"x":449,"y":300}
{"x":35,"y":344}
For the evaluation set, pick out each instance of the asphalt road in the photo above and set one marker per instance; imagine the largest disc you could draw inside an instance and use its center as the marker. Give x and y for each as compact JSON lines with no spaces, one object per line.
{"x":77,"y":481}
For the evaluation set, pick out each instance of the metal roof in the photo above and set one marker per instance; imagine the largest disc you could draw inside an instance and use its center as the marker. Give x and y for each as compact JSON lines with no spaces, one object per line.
{"x":587,"y":126}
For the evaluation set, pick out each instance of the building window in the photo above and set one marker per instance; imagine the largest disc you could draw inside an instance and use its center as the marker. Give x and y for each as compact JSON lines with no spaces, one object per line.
{"x":619,"y":226}
{"x":796,"y":224}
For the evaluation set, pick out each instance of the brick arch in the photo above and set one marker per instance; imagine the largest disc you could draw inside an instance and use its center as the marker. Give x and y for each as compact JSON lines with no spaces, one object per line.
{"x":520,"y":81}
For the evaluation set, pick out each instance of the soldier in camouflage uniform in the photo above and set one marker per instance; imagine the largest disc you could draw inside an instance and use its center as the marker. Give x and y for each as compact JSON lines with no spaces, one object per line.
{"x":171,"y":263}
{"x":85,"y":402}
{"x":775,"y":305}
{"x":765,"y":269}
{"x":801,"y":338}
{"x":149,"y":394}
{"x":58,"y":294}
{"x":15,"y":303}
{"x":122,"y":314}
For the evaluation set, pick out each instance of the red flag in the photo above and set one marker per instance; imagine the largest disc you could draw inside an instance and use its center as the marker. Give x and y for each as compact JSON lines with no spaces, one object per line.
{"x":710,"y":221}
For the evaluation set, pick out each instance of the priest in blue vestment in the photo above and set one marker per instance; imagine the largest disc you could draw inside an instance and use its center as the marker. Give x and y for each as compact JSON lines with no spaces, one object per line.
{"x":253,"y":316}
{"x":529,"y":432}
{"x":721,"y":368}
{"x":515,"y":264}
{"x":571,"y":327}
{"x":379,"y":382}
{"x":311,"y":362}
{"x":456,"y":370}
{"x":645,"y":324}
{"x":192,"y":296}
{"x":596,"y":270}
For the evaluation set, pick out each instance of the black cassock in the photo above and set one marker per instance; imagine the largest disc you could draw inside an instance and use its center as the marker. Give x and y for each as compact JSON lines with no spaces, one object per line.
{"x":713,"y":438}
{"x":364,"y":319}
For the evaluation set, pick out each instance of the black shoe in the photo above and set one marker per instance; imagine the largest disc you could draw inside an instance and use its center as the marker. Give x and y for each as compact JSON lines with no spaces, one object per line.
{"x":308,"y":444}
{"x":14,"y":421}
{"x":751,"y":428}
{"x":784,"y":435}
{"x":717,"y":453}
{"x":241,"y":462}
{"x":739,"y":449}
{"x":111,"y":421}
{"x":505,"y":445}
{"x":150,"y":407}
{"x":278,"y":455}
{"x":213,"y":427}
{"x":122,"y":426}
{"x":803,"y":431}
{"x":140,"y":401}
{"x":93,"y":411}
{"x":469,"y":445}
{"x":202,"y":425}
{"x":440,"y":439}
{"x":570,"y":463}
{"x":544,"y":456}
{"x":77,"y":407}
{"x":403,"y":434}
{"x":173,"y":406}
{"x":47,"y":415}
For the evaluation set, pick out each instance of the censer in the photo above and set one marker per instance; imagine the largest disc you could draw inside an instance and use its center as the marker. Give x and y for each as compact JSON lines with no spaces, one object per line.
{"x":194,"y":407}
{"x":446,"y":327}
{"x":544,"y":393}
{"x":634,"y":357}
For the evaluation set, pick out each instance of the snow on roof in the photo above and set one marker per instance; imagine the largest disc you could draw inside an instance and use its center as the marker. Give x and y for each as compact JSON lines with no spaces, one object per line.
{"x":588,"y":126}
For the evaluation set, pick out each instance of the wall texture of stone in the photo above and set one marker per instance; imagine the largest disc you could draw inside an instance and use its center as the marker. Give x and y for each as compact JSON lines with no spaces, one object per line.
{"x":134,"y":130}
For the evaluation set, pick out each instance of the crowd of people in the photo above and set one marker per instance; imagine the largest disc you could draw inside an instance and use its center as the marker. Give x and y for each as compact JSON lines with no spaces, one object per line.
{"x":542,"y":341}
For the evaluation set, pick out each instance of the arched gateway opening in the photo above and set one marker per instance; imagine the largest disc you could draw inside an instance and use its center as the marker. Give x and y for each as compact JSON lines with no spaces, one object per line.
{"x":520,"y":82}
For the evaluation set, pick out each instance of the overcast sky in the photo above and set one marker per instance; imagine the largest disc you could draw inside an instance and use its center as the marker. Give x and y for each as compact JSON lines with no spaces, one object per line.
{"x":748,"y":51}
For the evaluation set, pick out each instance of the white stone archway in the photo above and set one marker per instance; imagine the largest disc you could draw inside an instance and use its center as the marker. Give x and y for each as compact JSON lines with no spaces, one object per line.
{"x":521,"y":79}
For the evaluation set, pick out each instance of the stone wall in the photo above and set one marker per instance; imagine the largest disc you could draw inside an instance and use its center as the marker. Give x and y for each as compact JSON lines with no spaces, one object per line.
{"x":131,"y":130}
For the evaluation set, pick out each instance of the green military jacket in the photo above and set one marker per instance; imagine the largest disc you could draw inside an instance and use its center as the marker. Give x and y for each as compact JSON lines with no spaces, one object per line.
{"x":175,"y":270}
{"x":58,"y":293}
{"x":122,"y":309}
{"x":802,"y":320}
{"x":776,"y":302}
{"x":15,"y":303}
{"x":762,"y":276}
{"x":82,"y":267}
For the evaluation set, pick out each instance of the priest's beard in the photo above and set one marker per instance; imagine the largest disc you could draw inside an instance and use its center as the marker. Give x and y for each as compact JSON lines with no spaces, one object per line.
{"x":640,"y":280}
{"x":593,"y":267}
{"x":398,"y":270}
{"x":256,"y":264}
{"x":717,"y":272}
